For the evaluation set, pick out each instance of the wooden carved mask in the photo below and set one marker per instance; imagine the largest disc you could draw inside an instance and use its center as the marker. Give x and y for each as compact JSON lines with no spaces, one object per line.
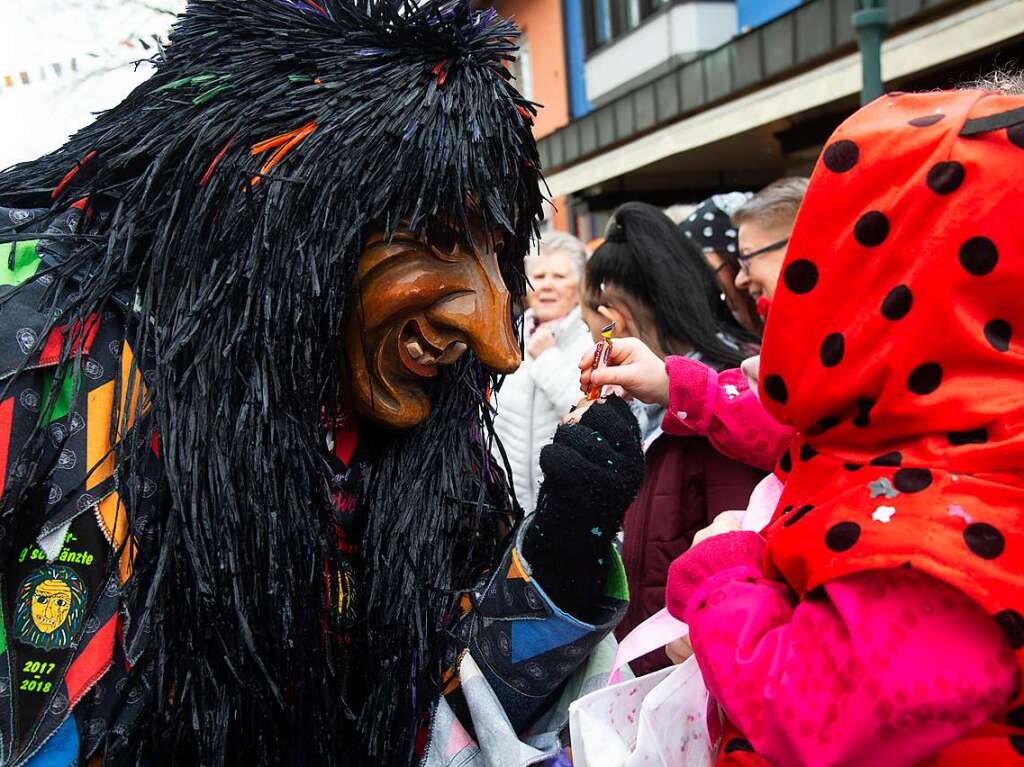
{"x":420,"y":302}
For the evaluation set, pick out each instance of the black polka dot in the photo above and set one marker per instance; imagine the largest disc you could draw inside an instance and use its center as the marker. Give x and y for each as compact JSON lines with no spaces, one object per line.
{"x":871,"y":229}
{"x":998,"y":334}
{"x":797,"y":515}
{"x":842,"y":536}
{"x":945,"y":177}
{"x":775,"y":388}
{"x":895,"y":458}
{"x":738,"y":744}
{"x":800,"y":276}
{"x":786,"y":462}
{"x":924,"y":379}
{"x":1012,"y":624}
{"x":841,"y":156}
{"x":787,"y":509}
{"x":984,"y":540}
{"x":863,"y":418}
{"x":1016,"y":135}
{"x":978,"y":256}
{"x":1017,"y":744}
{"x":897,"y":303}
{"x":972,"y":437}
{"x":807,"y":452}
{"x":911,"y":480}
{"x":826,"y":423}
{"x":924,"y":122}
{"x":852,"y":466}
{"x":1015,"y":717}
{"x":832,"y":349}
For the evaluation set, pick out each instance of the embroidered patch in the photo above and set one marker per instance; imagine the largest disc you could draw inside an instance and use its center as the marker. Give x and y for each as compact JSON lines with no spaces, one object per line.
{"x":50,"y":607}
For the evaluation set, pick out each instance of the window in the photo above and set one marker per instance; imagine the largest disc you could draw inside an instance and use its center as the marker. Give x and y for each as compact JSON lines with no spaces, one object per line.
{"x":522,"y":70}
{"x":606,"y":20}
{"x":597,"y":18}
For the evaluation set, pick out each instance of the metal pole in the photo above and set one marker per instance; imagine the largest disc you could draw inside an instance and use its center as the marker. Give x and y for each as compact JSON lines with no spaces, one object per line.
{"x":870,"y":20}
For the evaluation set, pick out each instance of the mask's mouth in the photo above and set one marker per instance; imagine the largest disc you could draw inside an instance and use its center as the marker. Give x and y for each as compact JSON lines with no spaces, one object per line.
{"x":422,"y":351}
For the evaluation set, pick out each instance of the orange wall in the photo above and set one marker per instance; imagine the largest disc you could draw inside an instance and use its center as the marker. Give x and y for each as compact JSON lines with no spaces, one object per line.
{"x":541,"y":22}
{"x":560,"y":216}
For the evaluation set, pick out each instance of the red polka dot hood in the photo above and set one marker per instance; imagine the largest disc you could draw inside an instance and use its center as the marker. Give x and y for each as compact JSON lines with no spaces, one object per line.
{"x":894,"y":348}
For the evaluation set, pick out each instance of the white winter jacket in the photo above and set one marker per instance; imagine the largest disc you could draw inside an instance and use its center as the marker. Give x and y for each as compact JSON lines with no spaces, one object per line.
{"x":533,"y":400}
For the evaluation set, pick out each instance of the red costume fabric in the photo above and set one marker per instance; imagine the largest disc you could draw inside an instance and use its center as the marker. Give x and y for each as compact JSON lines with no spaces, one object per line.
{"x":892,"y":350}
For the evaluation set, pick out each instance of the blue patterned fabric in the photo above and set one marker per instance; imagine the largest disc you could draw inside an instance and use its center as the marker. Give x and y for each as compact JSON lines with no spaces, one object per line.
{"x":61,"y":750}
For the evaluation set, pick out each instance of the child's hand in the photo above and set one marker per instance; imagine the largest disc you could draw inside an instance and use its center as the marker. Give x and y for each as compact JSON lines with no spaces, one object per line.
{"x":751,"y":368}
{"x":633,"y":367}
{"x":725,"y":522}
{"x":679,"y":650}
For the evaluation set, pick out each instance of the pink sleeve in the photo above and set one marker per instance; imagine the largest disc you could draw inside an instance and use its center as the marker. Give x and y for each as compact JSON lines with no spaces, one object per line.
{"x":879,"y":668}
{"x":721,"y":407}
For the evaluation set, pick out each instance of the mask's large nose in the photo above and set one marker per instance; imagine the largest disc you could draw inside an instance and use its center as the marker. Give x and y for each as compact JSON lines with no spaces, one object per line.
{"x":496,"y":344}
{"x":483,"y":315}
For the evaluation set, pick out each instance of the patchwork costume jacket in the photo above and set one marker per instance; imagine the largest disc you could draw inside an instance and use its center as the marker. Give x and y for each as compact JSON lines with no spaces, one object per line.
{"x":71,"y":634}
{"x":64,"y":663}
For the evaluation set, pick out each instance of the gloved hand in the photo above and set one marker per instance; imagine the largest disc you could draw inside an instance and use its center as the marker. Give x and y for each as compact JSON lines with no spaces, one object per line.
{"x":592,"y":472}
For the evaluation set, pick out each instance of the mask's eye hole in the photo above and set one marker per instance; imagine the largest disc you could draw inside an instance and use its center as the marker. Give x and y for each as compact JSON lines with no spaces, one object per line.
{"x":444,"y":240}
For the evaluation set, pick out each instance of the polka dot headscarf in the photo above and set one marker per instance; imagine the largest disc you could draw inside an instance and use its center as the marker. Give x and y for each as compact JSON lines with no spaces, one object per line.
{"x":710,"y":224}
{"x":894,"y":347}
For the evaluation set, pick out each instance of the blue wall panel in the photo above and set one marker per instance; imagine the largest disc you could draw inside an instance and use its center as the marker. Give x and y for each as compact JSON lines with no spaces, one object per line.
{"x":754,"y":13}
{"x":576,"y":57}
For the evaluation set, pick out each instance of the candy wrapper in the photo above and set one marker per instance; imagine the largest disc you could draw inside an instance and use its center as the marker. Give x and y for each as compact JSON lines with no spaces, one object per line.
{"x":602,"y":353}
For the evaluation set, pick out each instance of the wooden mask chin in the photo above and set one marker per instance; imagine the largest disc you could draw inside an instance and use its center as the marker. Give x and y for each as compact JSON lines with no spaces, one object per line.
{"x":420,"y":303}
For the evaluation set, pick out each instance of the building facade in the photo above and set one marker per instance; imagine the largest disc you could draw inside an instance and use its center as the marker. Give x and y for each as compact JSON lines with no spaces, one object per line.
{"x":669,"y":101}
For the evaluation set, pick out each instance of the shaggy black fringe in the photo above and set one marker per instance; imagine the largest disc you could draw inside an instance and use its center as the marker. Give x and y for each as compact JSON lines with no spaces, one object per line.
{"x":243,"y":290}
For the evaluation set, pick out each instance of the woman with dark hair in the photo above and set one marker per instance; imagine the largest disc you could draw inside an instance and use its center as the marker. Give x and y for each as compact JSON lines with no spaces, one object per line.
{"x":656,"y":286}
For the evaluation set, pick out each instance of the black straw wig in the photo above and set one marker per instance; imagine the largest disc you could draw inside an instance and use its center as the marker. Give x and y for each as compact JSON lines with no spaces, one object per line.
{"x":228,"y":200}
{"x":647,"y":257}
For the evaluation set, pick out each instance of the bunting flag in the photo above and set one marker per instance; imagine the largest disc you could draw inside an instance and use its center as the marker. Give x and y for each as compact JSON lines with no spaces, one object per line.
{"x":60,"y":69}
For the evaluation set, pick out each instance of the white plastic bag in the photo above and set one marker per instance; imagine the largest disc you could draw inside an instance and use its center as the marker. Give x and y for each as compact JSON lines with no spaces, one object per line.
{"x":657,"y":719}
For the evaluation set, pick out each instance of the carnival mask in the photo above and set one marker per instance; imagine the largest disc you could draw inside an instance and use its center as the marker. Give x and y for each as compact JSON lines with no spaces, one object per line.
{"x":50,"y":605}
{"x":422,"y":302}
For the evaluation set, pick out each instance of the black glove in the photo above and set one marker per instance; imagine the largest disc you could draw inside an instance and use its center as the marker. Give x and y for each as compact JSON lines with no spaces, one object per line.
{"x":592,"y":472}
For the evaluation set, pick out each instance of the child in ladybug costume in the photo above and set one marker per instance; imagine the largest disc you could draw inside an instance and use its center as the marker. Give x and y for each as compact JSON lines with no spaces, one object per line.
{"x":879,"y":618}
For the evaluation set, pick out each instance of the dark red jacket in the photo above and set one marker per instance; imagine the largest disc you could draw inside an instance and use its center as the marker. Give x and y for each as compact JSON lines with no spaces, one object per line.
{"x":688,"y":484}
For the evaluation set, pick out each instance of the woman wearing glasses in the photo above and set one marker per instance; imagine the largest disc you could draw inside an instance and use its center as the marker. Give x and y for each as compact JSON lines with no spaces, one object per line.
{"x":764,"y":223}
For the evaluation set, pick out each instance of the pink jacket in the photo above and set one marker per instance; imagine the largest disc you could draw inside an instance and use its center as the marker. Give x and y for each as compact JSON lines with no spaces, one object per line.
{"x":878,"y":669}
{"x":723,"y":408}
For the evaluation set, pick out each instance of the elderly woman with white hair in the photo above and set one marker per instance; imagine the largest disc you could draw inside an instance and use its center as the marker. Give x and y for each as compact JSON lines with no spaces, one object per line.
{"x":532,"y":400}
